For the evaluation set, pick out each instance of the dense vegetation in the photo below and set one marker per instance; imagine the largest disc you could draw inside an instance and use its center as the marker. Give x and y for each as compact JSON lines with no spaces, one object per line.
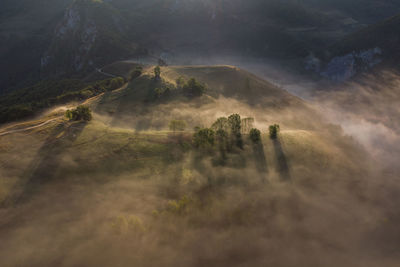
{"x":161,"y":89}
{"x":28,"y":101}
{"x":81,"y":113}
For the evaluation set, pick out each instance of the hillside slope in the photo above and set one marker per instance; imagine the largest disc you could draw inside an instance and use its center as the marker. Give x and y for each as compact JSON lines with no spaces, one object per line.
{"x":229,"y":90}
{"x":125,"y":190}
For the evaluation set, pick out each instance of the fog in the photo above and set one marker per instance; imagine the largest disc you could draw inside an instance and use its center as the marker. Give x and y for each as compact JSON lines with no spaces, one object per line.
{"x":120,"y":191}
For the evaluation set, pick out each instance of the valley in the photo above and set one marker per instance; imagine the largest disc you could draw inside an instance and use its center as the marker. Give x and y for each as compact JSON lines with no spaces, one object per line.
{"x":199,"y":133}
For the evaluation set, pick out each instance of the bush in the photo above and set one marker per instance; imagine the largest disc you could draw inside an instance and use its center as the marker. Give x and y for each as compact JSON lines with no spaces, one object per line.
{"x":81,"y":113}
{"x":177,"y":125}
{"x":116,"y":83}
{"x":135,"y":73}
{"x":180,"y":82}
{"x":274,"y":131}
{"x":161,"y":92}
{"x":193,"y":88}
{"x":255,"y":135}
{"x":157,"y":73}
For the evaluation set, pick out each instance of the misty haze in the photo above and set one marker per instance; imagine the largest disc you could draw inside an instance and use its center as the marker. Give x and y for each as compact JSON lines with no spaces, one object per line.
{"x":200,"y":133}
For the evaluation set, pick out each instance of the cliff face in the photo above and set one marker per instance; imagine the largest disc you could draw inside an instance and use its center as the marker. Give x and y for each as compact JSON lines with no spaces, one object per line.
{"x":378,"y":44}
{"x":91,"y":34}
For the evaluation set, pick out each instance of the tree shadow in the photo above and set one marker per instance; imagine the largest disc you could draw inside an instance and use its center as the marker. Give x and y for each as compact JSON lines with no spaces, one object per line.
{"x":282,"y":162}
{"x":43,"y":168}
{"x":260,"y":159}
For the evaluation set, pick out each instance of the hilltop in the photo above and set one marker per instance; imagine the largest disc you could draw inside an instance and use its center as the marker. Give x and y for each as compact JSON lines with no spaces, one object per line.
{"x":128,"y":179}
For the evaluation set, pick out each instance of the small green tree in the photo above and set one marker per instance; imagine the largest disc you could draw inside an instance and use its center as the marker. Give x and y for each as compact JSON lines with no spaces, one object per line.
{"x":177,"y":125}
{"x":81,"y":113}
{"x":135,"y":73}
{"x":255,"y":135}
{"x":157,"y":73}
{"x":204,"y":138}
{"x":221,"y":124}
{"x":222,"y":139}
{"x":274,"y":131}
{"x":193,"y":88}
{"x":235,"y":127}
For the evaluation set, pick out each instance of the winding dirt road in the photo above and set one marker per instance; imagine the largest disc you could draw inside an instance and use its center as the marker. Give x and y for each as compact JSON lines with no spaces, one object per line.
{"x":28,"y":128}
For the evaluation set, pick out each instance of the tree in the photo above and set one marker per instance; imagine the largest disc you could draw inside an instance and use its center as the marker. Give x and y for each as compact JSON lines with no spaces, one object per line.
{"x":274,"y":131}
{"x":177,"y":125}
{"x":180,"y":82}
{"x":193,"y":88}
{"x":136,"y":72}
{"x":221,"y":124}
{"x":157,"y":73}
{"x":247,"y":125}
{"x":255,"y":135}
{"x":81,"y":113}
{"x":235,"y":125}
{"x":222,"y":139}
{"x":204,"y":138}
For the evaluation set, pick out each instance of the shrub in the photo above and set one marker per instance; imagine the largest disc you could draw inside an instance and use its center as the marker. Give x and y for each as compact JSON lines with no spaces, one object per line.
{"x":177,"y":125}
{"x":179,"y":206}
{"x":161,"y":92}
{"x":135,"y":73}
{"x":255,"y":135}
{"x":193,"y":88}
{"x":81,"y":113}
{"x":116,"y":83}
{"x":157,"y":73}
{"x":274,"y":131}
{"x":180,"y":82}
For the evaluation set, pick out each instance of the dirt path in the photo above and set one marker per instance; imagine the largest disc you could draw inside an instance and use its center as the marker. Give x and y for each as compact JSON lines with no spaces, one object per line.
{"x":28,"y":128}
{"x":105,"y":73}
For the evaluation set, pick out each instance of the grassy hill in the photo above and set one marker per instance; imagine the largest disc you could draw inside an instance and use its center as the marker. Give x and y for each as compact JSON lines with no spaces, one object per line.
{"x":236,"y":90}
{"x":124,"y":190}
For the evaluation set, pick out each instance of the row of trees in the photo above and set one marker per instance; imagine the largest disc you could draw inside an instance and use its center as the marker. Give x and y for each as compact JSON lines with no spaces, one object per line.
{"x":227,"y":133}
{"x":190,"y":88}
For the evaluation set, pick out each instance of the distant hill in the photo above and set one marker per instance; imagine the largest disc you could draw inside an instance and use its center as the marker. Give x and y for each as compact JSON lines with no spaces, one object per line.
{"x":70,"y":38}
{"x":376,"y":45}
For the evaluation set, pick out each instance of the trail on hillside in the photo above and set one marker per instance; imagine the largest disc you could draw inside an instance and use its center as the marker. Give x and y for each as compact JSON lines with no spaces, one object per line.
{"x":28,"y":128}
